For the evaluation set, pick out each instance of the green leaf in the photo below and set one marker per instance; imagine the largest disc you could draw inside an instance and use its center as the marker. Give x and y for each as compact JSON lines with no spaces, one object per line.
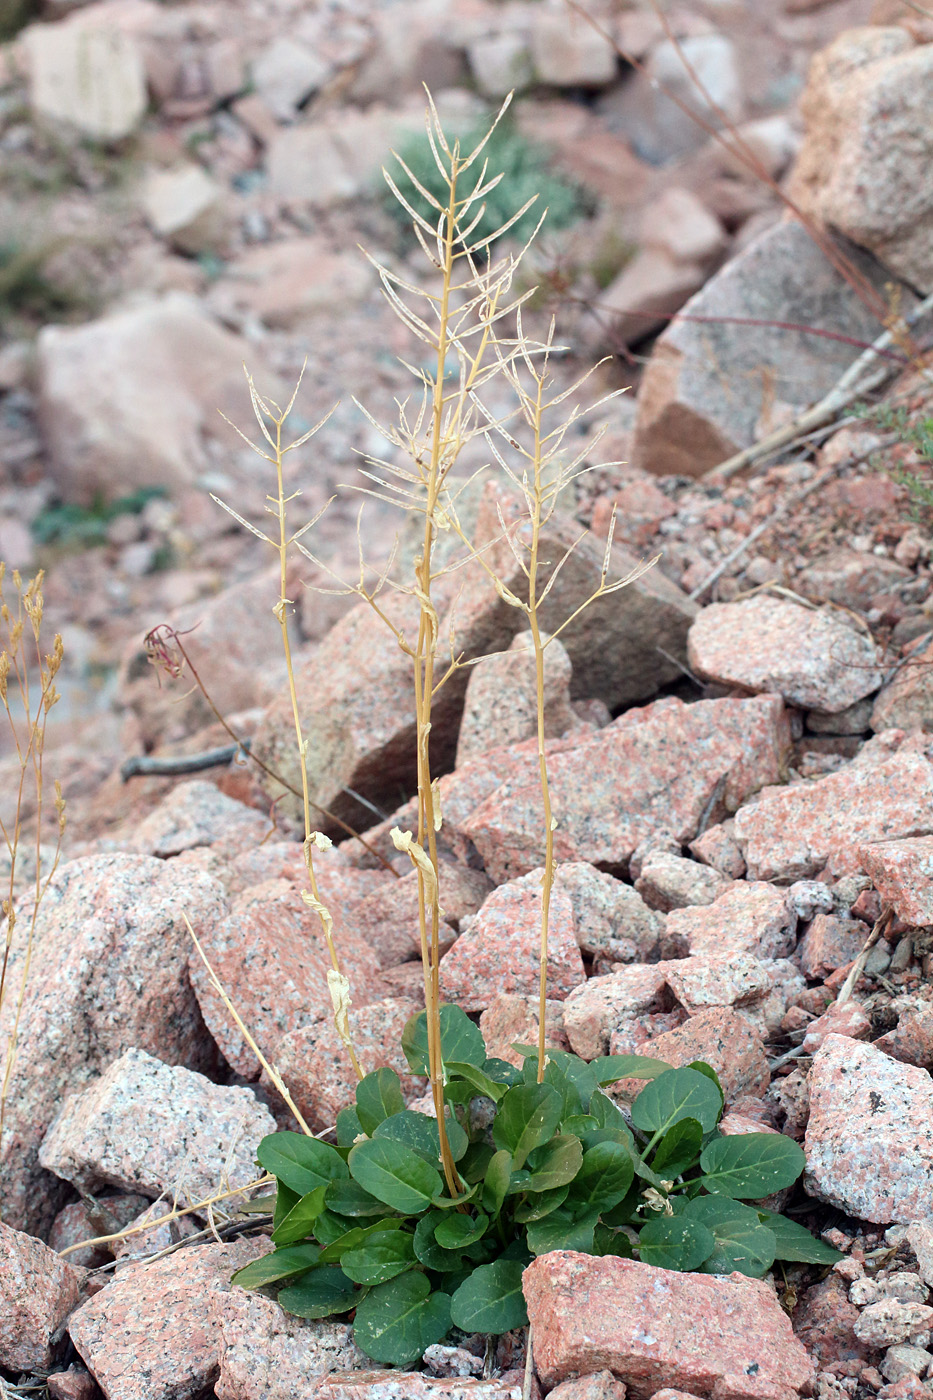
{"x":679,"y":1149}
{"x":378,"y":1096}
{"x":502,"y":1072}
{"x":349,"y":1198}
{"x":675,"y":1242}
{"x":556,"y":1163}
{"x":461,"y":1040}
{"x":527,"y":1117}
{"x":474,"y":1162}
{"x":743,"y":1244}
{"x":578,"y":1124}
{"x":285,"y":1201}
{"x":536,"y":1207}
{"x":427,"y":1251}
{"x":702,"y":1067}
{"x":795,"y":1243}
{"x":607,"y":1241}
{"x":259,"y":1205}
{"x":299,"y":1161}
{"x":349,"y":1127}
{"x":491,"y":1299}
{"x":395,"y":1175}
{"x":333,"y":1252}
{"x":611,"y":1068}
{"x":569,"y":1075}
{"x":330,"y":1227}
{"x":381,"y":1256}
{"x":321,"y":1293}
{"x":299,"y":1221}
{"x":451,"y":1202}
{"x":751,"y":1165}
{"x":676,"y":1094}
{"x":609,"y":1115}
{"x":398,"y":1320}
{"x":458,"y":1231}
{"x":282,"y":1263}
{"x":497,"y":1181}
{"x":561,"y":1230}
{"x":477,"y":1079}
{"x":419,"y":1132}
{"x":605,"y":1175}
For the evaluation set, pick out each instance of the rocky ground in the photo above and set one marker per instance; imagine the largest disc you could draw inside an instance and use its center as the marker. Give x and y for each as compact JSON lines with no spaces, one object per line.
{"x":740,"y":750}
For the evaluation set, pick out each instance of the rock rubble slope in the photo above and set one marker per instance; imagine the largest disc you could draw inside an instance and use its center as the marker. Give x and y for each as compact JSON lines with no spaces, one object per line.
{"x":739,"y":742}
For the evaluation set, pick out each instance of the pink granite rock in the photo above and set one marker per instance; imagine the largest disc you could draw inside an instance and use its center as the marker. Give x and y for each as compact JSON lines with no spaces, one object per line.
{"x":869,"y":1140}
{"x":670,"y":882}
{"x":889,"y":1321}
{"x":88,"y":1219}
{"x":592,"y":1011}
{"x":906,"y":702}
{"x":357,"y":700}
{"x":109,"y":970}
{"x":717,"y":847}
{"x":814,"y":659}
{"x":501,"y":698}
{"x":37,"y":1292}
{"x":902,"y":872}
{"x":911,"y":1040}
{"x":723,"y":1038}
{"x":723,"y":1337}
{"x":610,"y":918}
{"x":152,"y":1334}
{"x":266,"y":1354}
{"x":318,"y":1071}
{"x":155,"y":1128}
{"x":72,"y":1385}
{"x":669,"y":766}
{"x":387,"y":920}
{"x":197,"y":814}
{"x":598,"y":1385}
{"x":830,"y":942}
{"x":500,"y":950}
{"x":511,"y":1019}
{"x":824,"y":1320}
{"x":753,"y":918}
{"x":790,"y":833}
{"x":271,"y":958}
{"x":732,"y":979}
{"x":850,"y":1019}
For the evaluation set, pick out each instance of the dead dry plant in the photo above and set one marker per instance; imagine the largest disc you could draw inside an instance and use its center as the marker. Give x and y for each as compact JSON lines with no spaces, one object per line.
{"x":27,"y":717}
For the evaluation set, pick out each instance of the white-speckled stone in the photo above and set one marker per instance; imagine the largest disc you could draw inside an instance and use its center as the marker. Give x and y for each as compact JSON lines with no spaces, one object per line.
{"x":151,"y":1334}
{"x":37,"y":1292}
{"x":869,"y":1141}
{"x":152,"y":1127}
{"x":266,"y":1354}
{"x":109,"y":971}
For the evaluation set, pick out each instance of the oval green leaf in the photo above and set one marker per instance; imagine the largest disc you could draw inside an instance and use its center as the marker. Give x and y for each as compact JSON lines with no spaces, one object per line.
{"x":605,"y":1175}
{"x":677,"y":1094}
{"x":281,"y":1263}
{"x":555,"y":1164}
{"x":301,"y":1162}
{"x":321,"y":1293}
{"x":611,"y":1068}
{"x":378,"y":1096}
{"x":675,"y":1242}
{"x":491,"y":1299}
{"x":795,"y":1243}
{"x":679,"y":1149}
{"x":456,"y":1231}
{"x":394,"y":1175}
{"x":497,"y":1181}
{"x":527,"y":1117}
{"x":398,"y":1320}
{"x":347,"y":1198}
{"x":299,"y":1222}
{"x":743,"y":1244}
{"x":461,"y":1040}
{"x":561,"y":1230}
{"x":751,"y":1165}
{"x":419,"y":1132}
{"x":381,"y":1256}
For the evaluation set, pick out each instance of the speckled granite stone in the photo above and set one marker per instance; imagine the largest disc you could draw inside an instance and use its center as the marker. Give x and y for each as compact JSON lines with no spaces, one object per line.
{"x":37,"y":1292}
